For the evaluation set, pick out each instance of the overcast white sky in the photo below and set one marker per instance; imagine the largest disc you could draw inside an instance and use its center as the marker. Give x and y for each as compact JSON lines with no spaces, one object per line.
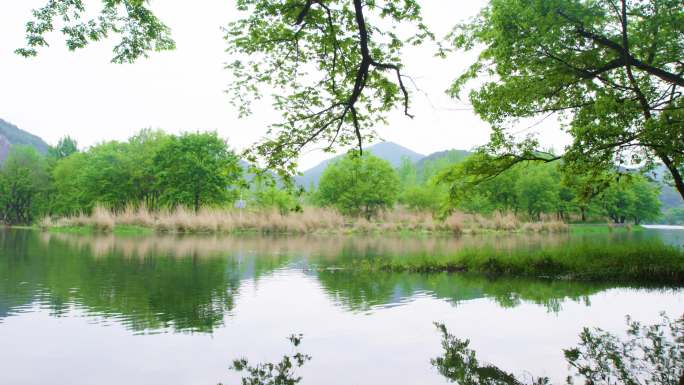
{"x":81,"y":94}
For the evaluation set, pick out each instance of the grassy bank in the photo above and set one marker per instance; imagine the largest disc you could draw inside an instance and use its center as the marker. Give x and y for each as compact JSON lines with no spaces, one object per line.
{"x":90,"y":229}
{"x":633,"y":262}
{"x":311,"y":220}
{"x":601,"y":228}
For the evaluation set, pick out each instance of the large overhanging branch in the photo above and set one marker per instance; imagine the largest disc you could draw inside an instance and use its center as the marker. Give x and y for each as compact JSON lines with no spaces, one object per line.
{"x":362,"y":73}
{"x":352,"y":74}
{"x":625,"y":56}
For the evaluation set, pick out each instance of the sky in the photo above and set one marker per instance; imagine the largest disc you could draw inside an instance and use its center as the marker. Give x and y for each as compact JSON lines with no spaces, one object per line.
{"x":83,"y":95}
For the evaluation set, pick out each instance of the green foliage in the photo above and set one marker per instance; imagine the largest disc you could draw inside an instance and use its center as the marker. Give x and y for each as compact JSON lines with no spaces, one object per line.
{"x":267,"y":195}
{"x":115,"y":174}
{"x":537,"y":191}
{"x":281,"y":373}
{"x":151,"y":169}
{"x":610,"y":72}
{"x":639,"y":261}
{"x":65,"y":147}
{"x":70,"y":184}
{"x":419,"y":188}
{"x":23,"y":182}
{"x":633,"y":197}
{"x":674,"y":216}
{"x":139,"y":29}
{"x":428,"y":197}
{"x":194,"y":170}
{"x":430,"y":166}
{"x":359,"y":185}
{"x":333,"y":71}
{"x":543,"y":188}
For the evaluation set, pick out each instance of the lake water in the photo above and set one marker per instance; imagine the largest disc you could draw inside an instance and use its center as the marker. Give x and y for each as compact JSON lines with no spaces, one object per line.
{"x":113,"y":310}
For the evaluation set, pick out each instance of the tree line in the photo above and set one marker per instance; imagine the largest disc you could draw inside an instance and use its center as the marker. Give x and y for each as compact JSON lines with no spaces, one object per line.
{"x":158,"y":171}
{"x":364,"y":185}
{"x":151,"y":168}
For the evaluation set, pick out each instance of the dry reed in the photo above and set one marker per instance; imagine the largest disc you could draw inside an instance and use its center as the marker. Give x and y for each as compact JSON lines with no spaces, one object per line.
{"x":310,"y":220}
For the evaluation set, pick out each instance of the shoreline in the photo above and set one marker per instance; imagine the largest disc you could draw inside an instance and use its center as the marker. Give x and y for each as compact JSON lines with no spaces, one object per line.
{"x":380,"y":229}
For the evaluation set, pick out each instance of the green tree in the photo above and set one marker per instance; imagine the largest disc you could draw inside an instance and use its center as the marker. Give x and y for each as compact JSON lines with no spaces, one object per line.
{"x":408,"y":174}
{"x":266,"y":194}
{"x":196,"y":169}
{"x":107,"y":176}
{"x":359,"y":185}
{"x":70,"y":195}
{"x":537,"y":191}
{"x":611,"y":71}
{"x":23,"y":181}
{"x":65,"y":147}
{"x":425,"y":197}
{"x":646,"y":206}
{"x":142,"y":149}
{"x":632,"y":197}
{"x":470,"y":193}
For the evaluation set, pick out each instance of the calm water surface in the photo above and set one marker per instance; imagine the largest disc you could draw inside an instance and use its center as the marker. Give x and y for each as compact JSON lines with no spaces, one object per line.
{"x":103,"y":309}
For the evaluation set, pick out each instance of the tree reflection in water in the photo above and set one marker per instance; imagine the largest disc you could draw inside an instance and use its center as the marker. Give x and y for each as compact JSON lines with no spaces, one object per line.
{"x":650,"y":355}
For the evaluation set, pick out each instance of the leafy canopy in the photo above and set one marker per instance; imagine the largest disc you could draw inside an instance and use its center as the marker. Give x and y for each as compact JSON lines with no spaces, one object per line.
{"x":611,"y":71}
{"x":359,"y":185}
{"x":195,"y":170}
{"x":334,"y":68}
{"x":23,"y":181}
{"x":138,"y":29}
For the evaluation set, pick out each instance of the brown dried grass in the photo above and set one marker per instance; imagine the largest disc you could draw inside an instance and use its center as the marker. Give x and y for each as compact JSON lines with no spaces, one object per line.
{"x":310,"y":220}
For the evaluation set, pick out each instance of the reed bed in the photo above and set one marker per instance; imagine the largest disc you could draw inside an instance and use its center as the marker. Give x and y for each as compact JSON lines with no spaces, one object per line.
{"x":310,"y":220}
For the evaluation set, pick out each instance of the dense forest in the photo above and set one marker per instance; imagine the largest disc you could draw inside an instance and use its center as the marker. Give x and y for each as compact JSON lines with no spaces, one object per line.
{"x":159,"y":171}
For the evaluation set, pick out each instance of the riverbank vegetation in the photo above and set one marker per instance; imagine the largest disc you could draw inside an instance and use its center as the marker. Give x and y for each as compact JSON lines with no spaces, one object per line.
{"x":193,"y":182}
{"x":645,"y":261}
{"x":306,"y":220}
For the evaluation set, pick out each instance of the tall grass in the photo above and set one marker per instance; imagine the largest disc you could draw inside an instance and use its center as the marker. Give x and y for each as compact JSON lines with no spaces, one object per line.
{"x":310,"y":220}
{"x":650,"y":261}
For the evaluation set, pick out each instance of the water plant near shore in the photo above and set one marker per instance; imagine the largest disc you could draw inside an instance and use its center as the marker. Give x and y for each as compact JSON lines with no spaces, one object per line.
{"x":646,"y":261}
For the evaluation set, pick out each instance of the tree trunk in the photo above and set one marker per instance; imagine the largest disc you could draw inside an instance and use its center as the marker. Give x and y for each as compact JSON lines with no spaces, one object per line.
{"x":584,"y":214}
{"x":676,"y":175}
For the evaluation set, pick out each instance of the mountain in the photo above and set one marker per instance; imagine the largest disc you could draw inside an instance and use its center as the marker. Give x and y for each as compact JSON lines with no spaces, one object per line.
{"x":11,"y":135}
{"x":669,"y":196}
{"x":430,"y":165}
{"x":389,"y":151}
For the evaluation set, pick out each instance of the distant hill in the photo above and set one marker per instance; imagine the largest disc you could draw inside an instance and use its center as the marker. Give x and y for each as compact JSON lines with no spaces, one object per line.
{"x":432,"y":164}
{"x":389,"y":151}
{"x":669,"y":196}
{"x":11,"y":135}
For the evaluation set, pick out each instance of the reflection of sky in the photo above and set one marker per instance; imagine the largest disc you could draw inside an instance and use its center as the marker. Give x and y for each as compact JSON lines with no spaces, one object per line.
{"x":387,"y":337}
{"x":673,"y":235}
{"x":380,"y":346}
